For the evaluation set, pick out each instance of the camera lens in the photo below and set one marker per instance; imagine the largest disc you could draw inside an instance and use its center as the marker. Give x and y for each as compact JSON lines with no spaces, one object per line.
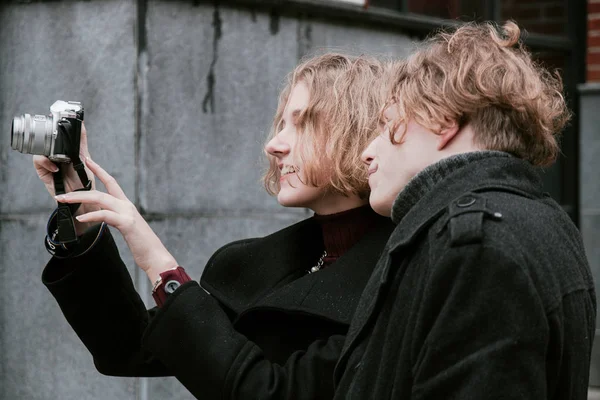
{"x":17,"y":130}
{"x":32,"y":135}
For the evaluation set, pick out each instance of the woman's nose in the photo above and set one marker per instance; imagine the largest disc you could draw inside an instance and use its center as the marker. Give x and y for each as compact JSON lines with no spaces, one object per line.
{"x":277,"y":147}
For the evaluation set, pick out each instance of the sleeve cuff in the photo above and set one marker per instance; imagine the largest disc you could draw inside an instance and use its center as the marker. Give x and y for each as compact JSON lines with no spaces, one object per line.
{"x":168,"y":283}
{"x":85,"y":243}
{"x":97,"y":242}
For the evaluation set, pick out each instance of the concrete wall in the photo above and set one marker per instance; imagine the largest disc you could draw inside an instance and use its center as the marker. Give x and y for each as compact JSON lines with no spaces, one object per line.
{"x":590,"y":198}
{"x":178,"y":99}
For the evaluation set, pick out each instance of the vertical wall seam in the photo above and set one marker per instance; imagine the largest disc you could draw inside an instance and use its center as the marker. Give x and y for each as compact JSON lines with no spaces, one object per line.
{"x":140,"y":105}
{"x":209,"y":98}
{"x":140,"y":92}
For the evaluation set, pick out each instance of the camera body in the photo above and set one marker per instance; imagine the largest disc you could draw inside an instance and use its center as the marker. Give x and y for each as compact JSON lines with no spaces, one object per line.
{"x":55,"y":136}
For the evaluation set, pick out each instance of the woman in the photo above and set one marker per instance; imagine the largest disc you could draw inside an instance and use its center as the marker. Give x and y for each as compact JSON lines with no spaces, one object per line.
{"x":270,"y":315}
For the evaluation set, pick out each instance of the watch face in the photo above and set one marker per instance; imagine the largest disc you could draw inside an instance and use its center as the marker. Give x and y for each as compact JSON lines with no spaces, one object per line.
{"x":171,"y":286}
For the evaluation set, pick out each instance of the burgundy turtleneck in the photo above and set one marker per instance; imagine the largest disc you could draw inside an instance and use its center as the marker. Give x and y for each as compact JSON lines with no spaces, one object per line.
{"x":343,"y":230}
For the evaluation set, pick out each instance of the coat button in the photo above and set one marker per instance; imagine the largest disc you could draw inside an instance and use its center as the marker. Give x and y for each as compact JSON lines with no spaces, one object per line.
{"x":466,"y":201}
{"x":171,"y":286}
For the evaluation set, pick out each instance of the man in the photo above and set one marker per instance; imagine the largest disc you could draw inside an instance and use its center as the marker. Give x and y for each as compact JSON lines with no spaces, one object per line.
{"x":483,"y":290}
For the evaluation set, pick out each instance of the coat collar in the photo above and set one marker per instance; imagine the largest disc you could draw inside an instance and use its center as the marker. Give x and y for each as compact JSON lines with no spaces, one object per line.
{"x":509,"y":174}
{"x":496,"y":173}
{"x":271,"y":273}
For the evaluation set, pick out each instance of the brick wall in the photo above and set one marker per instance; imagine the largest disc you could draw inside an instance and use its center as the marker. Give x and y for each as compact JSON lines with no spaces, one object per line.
{"x":593,"y":45}
{"x":548,"y":17}
{"x":540,"y":16}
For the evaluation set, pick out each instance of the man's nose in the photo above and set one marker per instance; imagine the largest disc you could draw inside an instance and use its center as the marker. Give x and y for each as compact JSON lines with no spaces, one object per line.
{"x":368,"y":155}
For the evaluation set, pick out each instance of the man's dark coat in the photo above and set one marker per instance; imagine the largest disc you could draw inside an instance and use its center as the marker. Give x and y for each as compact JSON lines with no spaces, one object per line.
{"x":267,"y":330}
{"x":483,"y":292}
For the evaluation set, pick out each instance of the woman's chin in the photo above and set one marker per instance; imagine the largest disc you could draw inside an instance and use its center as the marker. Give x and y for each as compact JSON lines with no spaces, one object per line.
{"x":288,"y":201}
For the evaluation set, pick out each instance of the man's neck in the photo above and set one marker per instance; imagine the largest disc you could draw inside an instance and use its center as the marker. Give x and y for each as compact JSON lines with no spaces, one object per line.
{"x":432,"y":175}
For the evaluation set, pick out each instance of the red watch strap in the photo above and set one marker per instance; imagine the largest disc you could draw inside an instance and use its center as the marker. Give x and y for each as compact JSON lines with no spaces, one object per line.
{"x":170,"y":281}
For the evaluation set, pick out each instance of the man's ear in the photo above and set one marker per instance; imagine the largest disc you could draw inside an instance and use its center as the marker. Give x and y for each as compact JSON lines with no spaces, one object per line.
{"x":447,"y":134}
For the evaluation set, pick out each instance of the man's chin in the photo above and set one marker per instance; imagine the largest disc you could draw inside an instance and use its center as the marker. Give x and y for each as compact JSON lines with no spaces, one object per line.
{"x":380,"y":206}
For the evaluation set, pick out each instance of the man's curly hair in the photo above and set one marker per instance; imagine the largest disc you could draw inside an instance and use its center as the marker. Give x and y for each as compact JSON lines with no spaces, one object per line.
{"x":483,"y":76}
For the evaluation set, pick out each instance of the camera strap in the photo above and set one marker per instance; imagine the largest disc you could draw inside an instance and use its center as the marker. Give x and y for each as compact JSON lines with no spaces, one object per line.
{"x":61,"y":226}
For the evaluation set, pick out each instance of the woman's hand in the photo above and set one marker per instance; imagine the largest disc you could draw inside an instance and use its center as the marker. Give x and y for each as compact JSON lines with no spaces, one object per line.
{"x":116,"y":210}
{"x":44,"y":168}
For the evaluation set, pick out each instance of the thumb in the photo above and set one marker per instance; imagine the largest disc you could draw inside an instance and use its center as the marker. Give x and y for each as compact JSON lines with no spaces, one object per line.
{"x":83,"y":143}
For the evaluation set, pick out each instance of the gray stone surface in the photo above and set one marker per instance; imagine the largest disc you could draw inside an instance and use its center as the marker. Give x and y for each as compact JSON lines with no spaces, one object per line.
{"x":166,"y":388}
{"x":193,"y":241}
{"x":589,"y":149}
{"x":202,"y":146}
{"x":589,"y":169}
{"x":595,"y":364}
{"x":590,"y":230}
{"x":589,"y":136}
{"x":593,"y":394}
{"x":589,"y":159}
{"x":41,"y":358}
{"x":589,"y":117}
{"x":61,"y":51}
{"x":318,"y":36}
{"x":205,"y":85}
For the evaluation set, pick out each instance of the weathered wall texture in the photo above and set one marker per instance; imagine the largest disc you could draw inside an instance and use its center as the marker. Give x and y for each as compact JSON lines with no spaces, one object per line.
{"x":590,"y":196}
{"x":178,"y":100}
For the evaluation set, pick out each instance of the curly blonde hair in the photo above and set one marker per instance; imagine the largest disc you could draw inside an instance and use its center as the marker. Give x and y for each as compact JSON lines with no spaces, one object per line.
{"x":345,"y":96}
{"x":480,"y":76}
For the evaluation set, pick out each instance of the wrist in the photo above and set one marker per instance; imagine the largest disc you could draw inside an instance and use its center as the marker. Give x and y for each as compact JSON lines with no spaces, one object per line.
{"x":167,"y":283}
{"x":153,"y":273}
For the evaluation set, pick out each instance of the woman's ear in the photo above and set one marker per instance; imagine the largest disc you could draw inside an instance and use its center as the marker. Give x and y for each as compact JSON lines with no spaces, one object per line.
{"x":447,"y":134}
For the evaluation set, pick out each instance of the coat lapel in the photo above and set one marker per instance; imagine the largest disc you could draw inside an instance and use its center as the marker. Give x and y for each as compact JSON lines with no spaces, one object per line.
{"x":334,"y":291}
{"x":241,"y":273}
{"x":272,"y":272}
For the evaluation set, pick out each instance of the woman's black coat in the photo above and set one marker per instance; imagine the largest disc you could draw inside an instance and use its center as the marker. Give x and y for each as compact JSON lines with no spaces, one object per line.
{"x":268,"y":329}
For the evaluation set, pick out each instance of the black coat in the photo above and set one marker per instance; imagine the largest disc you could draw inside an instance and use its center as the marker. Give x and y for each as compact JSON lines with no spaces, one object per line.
{"x":483,"y":292}
{"x":267,"y":330}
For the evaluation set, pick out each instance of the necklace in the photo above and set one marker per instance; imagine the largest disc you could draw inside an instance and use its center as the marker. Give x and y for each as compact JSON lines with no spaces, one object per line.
{"x":319,"y":264}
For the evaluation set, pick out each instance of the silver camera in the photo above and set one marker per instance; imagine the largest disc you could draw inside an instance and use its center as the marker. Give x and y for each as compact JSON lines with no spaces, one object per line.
{"x":55,"y":136}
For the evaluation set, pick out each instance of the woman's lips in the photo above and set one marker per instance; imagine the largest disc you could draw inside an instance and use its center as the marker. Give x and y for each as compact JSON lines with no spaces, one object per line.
{"x":283,"y":177}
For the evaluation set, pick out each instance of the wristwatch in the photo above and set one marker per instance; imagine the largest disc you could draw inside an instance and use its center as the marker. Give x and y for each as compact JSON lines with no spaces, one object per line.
{"x":167,"y":283}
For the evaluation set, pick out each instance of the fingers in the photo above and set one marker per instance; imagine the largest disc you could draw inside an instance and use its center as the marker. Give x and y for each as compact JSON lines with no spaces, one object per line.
{"x":42,"y":163}
{"x":110,"y":217}
{"x":93,"y":197}
{"x":83,"y":143}
{"x":109,"y":182}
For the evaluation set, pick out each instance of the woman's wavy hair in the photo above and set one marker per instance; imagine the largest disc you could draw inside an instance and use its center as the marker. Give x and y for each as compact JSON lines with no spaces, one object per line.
{"x":486,"y":78}
{"x":345,"y":96}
